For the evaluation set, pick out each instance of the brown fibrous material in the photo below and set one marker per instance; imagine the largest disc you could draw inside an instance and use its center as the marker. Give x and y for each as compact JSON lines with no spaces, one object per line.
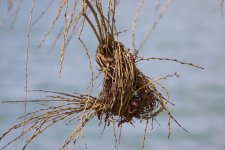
{"x":126,"y":91}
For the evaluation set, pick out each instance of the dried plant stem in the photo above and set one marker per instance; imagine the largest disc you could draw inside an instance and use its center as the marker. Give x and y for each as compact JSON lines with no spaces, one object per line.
{"x":77,"y":130}
{"x":60,"y":33}
{"x":134,"y":24}
{"x":166,"y":77}
{"x":91,"y":84}
{"x":120,"y":136}
{"x":102,"y":19}
{"x":92,"y":26}
{"x":96,"y":19}
{"x":145,"y":134}
{"x":61,"y":5}
{"x":113,"y":17}
{"x":114,"y":134}
{"x":169,"y":59}
{"x":42,"y":13}
{"x":27,"y":60}
{"x":164,"y":9}
{"x":16,"y":14}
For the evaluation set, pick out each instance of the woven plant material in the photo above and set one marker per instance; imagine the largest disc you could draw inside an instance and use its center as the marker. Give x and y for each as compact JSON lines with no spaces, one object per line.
{"x":126,"y":91}
{"x":126,"y":94}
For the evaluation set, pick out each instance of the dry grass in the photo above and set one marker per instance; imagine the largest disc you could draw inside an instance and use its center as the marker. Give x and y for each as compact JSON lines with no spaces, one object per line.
{"x":126,"y":94}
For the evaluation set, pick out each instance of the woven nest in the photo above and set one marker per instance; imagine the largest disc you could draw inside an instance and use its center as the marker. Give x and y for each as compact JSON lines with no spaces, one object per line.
{"x":126,"y":94}
{"x":126,"y":91}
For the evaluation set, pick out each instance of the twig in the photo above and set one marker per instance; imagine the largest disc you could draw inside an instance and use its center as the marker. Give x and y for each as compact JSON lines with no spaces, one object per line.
{"x":178,"y":123}
{"x":96,"y":19}
{"x":135,"y":21}
{"x":92,"y":26}
{"x":169,"y":59}
{"x":42,"y":14}
{"x":145,"y":134}
{"x":15,"y":15}
{"x":164,"y":9}
{"x":46,"y":100}
{"x":27,"y":59}
{"x":61,"y":5}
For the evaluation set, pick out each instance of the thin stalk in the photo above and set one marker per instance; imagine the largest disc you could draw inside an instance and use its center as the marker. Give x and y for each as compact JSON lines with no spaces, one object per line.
{"x":96,"y":18}
{"x":100,"y":11}
{"x":93,"y":27}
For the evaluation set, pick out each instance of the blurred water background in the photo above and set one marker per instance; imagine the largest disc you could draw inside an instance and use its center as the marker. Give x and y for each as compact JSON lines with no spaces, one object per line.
{"x":192,"y":31}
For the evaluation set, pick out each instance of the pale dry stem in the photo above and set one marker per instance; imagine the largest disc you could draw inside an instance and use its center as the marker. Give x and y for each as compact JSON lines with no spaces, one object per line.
{"x":153,"y":27}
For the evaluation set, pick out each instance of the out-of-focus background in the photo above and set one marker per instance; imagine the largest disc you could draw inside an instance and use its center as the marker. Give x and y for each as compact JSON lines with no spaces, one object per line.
{"x":192,"y":31}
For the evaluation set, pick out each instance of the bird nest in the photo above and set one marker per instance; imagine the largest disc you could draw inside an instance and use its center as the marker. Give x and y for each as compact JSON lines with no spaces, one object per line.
{"x":126,"y":91}
{"x":126,"y":94}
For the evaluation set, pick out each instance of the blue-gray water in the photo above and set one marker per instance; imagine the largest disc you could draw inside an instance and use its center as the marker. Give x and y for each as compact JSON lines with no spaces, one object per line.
{"x":192,"y":31}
